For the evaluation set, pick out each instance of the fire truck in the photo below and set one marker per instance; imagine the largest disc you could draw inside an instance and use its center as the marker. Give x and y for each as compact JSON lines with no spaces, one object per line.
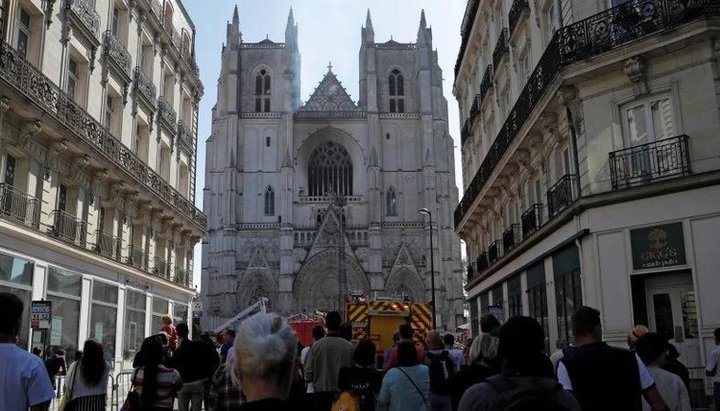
{"x":378,"y":319}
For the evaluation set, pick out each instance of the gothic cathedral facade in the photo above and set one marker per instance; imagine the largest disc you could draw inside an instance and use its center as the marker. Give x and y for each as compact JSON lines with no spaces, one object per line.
{"x":307,"y":199}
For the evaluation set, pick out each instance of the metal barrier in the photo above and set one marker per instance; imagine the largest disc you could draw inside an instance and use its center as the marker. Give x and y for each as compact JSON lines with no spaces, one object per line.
{"x":701,"y":389}
{"x":121,"y":386}
{"x":60,"y":385}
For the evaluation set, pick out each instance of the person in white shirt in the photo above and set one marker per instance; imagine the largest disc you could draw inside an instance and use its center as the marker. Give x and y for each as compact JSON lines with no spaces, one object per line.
{"x":711,"y":369}
{"x":24,"y":381}
{"x":652,"y":349}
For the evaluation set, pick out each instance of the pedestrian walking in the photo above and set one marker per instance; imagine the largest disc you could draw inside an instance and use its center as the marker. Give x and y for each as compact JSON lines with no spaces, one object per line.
{"x":524,"y":382}
{"x":214,"y":359}
{"x":324,"y":361}
{"x":483,"y":363}
{"x":265,"y":351}
{"x":24,"y":381}
{"x":225,"y":392}
{"x":712,"y":369}
{"x":56,"y":365}
{"x":603,"y":377}
{"x":87,"y":380}
{"x":652,"y":350}
{"x":673,"y":364}
{"x":362,"y":380}
{"x":405,"y":387}
{"x":318,"y":333}
{"x":228,"y":337}
{"x":406,"y":334}
{"x":156,"y":384}
{"x":442,"y":369}
{"x":193,"y":361}
{"x":455,"y":353}
{"x":169,"y":329}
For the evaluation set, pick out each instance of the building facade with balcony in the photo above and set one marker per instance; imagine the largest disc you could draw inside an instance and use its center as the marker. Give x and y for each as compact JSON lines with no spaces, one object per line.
{"x":276,"y":167}
{"x":590,"y":154}
{"x":98,"y":125}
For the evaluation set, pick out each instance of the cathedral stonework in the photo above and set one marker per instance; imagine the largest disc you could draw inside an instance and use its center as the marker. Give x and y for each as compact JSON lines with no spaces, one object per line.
{"x":298,"y":193}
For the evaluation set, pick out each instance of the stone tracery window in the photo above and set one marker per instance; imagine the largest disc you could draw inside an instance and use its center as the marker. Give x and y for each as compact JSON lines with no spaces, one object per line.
{"x":330,"y":170}
{"x":391,"y":200}
{"x":262,"y":92}
{"x":396,"y":90}
{"x":269,"y":201}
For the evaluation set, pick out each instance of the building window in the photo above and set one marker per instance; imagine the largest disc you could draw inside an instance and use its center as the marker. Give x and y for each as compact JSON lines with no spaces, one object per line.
{"x":64,"y":292}
{"x":23,"y":32}
{"x":524,"y":67}
{"x":514,"y":297}
{"x":134,"y":332}
{"x":72,"y":82}
{"x":497,"y":301}
{"x":16,"y":277}
{"x":161,"y":307}
{"x":267,"y":141}
{"x":396,"y":91}
{"x":391,"y":200}
{"x":330,"y":170}
{"x":269,"y":201}
{"x":568,"y":289}
{"x":180,"y":313}
{"x":103,"y":316}
{"x":537,"y":299}
{"x":262,"y":92}
{"x":109,"y":112}
{"x":648,"y":121}
{"x":10,"y":165}
{"x":115,"y":22}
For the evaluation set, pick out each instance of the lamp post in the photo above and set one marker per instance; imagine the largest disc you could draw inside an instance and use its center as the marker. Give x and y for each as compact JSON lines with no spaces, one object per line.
{"x":432,"y":268}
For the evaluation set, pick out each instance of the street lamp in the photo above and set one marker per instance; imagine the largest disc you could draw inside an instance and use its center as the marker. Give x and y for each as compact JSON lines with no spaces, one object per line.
{"x":432,"y":267}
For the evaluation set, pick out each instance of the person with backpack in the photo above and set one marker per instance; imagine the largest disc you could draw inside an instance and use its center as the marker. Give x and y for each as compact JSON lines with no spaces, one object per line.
{"x":523,"y":384}
{"x":442,"y":368}
{"x":360,"y":384}
{"x":603,"y":377}
{"x":405,"y":387}
{"x":406,"y":334}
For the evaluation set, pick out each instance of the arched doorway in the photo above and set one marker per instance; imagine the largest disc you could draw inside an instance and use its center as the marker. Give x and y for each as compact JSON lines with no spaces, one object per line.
{"x":317,"y":285}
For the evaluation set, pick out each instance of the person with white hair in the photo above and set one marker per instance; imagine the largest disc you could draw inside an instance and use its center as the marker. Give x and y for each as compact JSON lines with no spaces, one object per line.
{"x":265,"y":350}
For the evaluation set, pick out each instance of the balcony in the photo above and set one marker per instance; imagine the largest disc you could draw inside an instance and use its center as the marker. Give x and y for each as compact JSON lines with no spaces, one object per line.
{"x":587,"y":38}
{"x":108,"y":245}
{"x":471,"y":271}
{"x":181,"y":277}
{"x":137,"y":258}
{"x":161,"y":268}
{"x":466,"y":31}
{"x":185,"y":136}
{"x":487,"y":82}
{"x":501,"y":48}
{"x":119,"y":57}
{"x":465,"y":132}
{"x":561,"y":195}
{"x":531,"y":220}
{"x":167,"y":115}
{"x":518,"y":10}
{"x":495,"y":251}
{"x":84,"y":12}
{"x":511,"y":237}
{"x":20,"y":77}
{"x":482,"y":262}
{"x":69,"y":228}
{"x":19,"y":207}
{"x":650,"y":162}
{"x":145,"y":88}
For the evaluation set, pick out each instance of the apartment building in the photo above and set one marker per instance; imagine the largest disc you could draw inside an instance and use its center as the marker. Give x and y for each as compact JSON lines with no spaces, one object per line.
{"x":98,"y":129}
{"x":591,"y":163}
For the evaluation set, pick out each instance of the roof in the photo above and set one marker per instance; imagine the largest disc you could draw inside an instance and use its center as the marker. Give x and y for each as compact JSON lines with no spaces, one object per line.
{"x":330,"y":95}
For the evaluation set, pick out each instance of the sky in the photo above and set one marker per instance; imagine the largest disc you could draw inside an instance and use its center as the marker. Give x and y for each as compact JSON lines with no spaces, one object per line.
{"x":328,"y":31}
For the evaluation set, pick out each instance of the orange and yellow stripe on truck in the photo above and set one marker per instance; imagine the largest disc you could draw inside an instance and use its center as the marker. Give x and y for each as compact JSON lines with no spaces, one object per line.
{"x":421,"y":321}
{"x":357,"y":315}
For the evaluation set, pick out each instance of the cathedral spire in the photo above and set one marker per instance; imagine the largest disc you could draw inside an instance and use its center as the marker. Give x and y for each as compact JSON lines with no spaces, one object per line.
{"x":423,"y":23}
{"x":291,"y":18}
{"x":422,"y":38}
{"x":236,"y":16}
{"x":368,"y":22}
{"x":368,"y":32}
{"x":233,"y":29}
{"x":291,"y":30}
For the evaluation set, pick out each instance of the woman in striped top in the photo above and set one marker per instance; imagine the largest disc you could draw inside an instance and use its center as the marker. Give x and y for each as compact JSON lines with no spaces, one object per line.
{"x":88,"y":380}
{"x":156,"y":384}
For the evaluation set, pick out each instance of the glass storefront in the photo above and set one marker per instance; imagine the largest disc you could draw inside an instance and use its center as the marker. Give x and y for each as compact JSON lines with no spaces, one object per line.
{"x":537,"y":300}
{"x":64,"y":292}
{"x":568,"y":290}
{"x":514,"y":297}
{"x":16,"y":277}
{"x":103,"y":316}
{"x":161,"y":307}
{"x":180,"y":314}
{"x":135,"y":305}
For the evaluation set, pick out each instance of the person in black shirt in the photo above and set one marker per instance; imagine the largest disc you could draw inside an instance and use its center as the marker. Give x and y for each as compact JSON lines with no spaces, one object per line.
{"x":56,"y":364}
{"x":483,"y":363}
{"x":362,"y":379}
{"x":193,"y":361}
{"x":604,"y":377}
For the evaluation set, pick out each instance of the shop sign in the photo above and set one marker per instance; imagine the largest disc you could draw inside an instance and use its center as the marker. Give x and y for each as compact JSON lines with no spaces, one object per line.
{"x":40,"y":315}
{"x":658,"y":246}
{"x":197,"y":309}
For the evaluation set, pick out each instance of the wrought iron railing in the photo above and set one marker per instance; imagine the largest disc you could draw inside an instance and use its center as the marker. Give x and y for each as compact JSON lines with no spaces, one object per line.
{"x":511,"y":237}
{"x":575,"y":42}
{"x":465,"y":132}
{"x":145,"y":87}
{"x":531,"y":220}
{"x":181,"y":276}
{"x":466,"y":31}
{"x":501,"y":47}
{"x":166,"y":114}
{"x":108,"y":245}
{"x":475,"y":108}
{"x":19,"y":207}
{"x":115,"y":49}
{"x":184,"y":134}
{"x":495,"y":251}
{"x":649,"y":162}
{"x":561,"y":195}
{"x":518,"y":9}
{"x":85,"y":12}
{"x":69,"y":228}
{"x":487,"y":82}
{"x":137,"y":258}
{"x":27,"y":80}
{"x":482,"y":261}
{"x":161,"y":268}
{"x":471,"y":271}
{"x":156,"y":9}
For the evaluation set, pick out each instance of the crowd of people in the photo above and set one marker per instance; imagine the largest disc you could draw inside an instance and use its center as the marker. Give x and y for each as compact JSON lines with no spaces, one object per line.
{"x":262,"y":366}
